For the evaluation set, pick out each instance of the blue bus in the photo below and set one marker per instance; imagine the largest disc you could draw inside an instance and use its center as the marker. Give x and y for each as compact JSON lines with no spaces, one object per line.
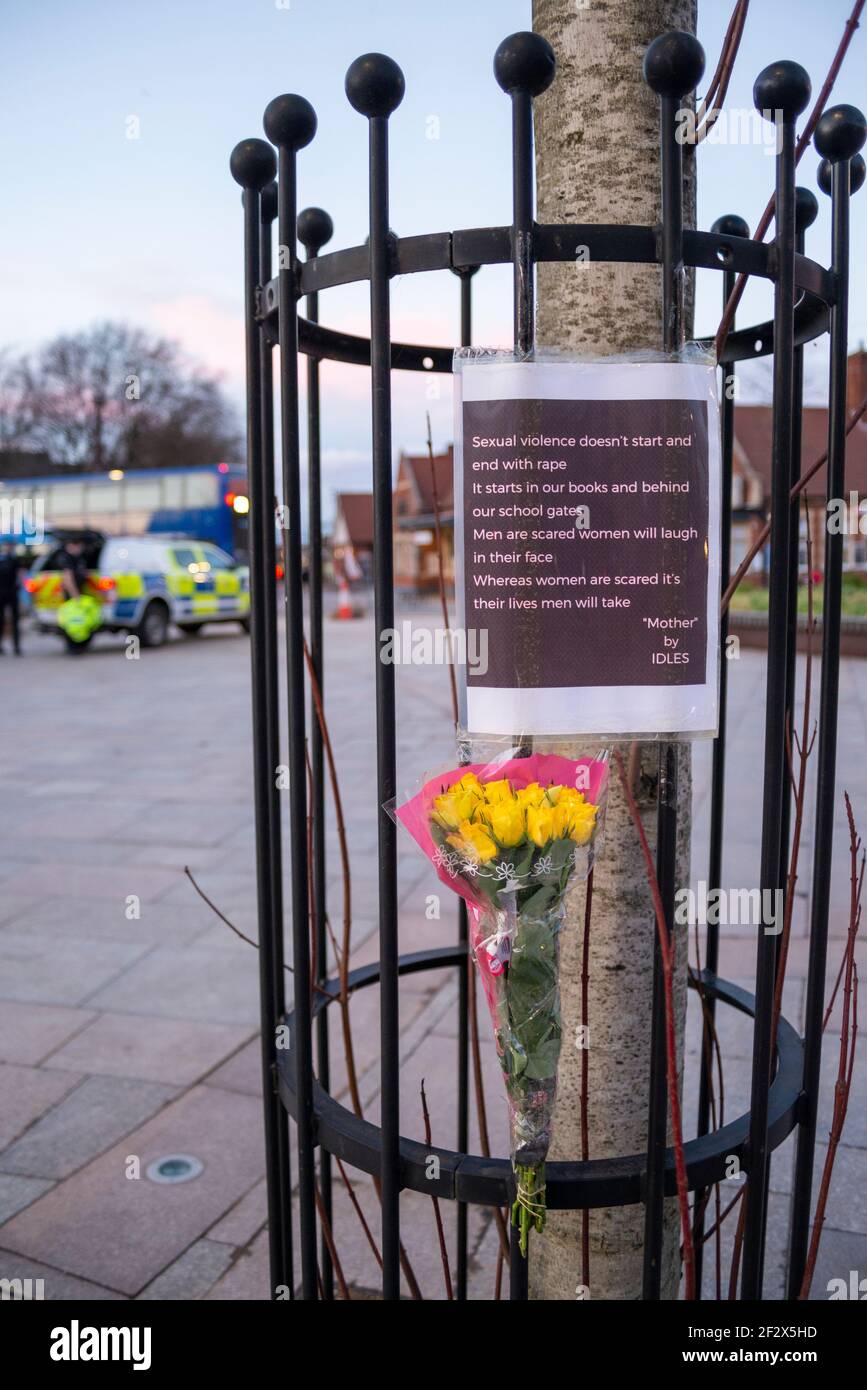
{"x":205,"y":502}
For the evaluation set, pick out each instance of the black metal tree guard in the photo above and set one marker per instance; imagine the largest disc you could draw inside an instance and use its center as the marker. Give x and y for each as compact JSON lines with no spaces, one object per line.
{"x":807,"y":300}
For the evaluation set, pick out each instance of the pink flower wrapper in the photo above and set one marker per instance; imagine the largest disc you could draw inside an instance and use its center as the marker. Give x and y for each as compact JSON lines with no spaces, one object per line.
{"x":548,"y":769}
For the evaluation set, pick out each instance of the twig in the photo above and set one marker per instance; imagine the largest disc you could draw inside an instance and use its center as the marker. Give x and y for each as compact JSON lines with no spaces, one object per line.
{"x":665,"y":951}
{"x":737,"y":1248}
{"x":360,"y":1214}
{"x":223,"y":918}
{"x":846,"y":1061}
{"x":804,"y":139}
{"x":479,"y":1087}
{"x":441,"y":1236}
{"x":329,"y":1241}
{"x":731,"y":1206}
{"x":840,"y":973}
{"x":343,"y":958}
{"x":805,"y":748}
{"x":311,"y":894}
{"x":719,"y":86}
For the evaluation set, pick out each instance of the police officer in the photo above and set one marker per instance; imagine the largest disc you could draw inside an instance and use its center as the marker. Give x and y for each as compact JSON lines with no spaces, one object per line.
{"x":9,"y":566}
{"x":73,"y":567}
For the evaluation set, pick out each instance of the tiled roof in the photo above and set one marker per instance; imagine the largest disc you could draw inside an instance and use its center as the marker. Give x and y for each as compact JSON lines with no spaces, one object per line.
{"x":356,"y":509}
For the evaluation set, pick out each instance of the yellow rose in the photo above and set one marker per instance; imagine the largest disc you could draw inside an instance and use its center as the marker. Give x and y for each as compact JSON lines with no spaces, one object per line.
{"x":455,"y":805}
{"x":540,"y":824}
{"x":470,"y":783}
{"x":533,"y":795}
{"x":553,"y":795}
{"x":561,"y":821}
{"x":569,"y":796}
{"x":445,"y":811}
{"x":466,"y":802}
{"x":506,"y":819}
{"x":583,"y":824}
{"x":473,"y":842}
{"x":497,"y":791}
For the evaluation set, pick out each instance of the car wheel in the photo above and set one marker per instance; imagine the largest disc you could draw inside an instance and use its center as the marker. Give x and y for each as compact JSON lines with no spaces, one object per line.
{"x":154,"y":626}
{"x":192,"y":629}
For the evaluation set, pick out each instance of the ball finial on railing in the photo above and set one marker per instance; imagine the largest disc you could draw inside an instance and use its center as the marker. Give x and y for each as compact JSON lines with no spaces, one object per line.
{"x":525,"y":62}
{"x":674,"y":64}
{"x":730,"y":225}
{"x":253,"y":163}
{"x":857,"y":171}
{"x":315,"y":228}
{"x":289,"y":121}
{"x":374,"y":85}
{"x":840,"y":133}
{"x":806,"y":208}
{"x":782,"y":87}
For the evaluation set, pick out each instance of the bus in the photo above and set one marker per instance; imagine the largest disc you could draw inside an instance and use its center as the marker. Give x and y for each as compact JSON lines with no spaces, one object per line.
{"x":206,"y":503}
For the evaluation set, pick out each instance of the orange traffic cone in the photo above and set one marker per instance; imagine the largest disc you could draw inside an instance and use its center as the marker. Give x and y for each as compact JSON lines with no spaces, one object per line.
{"x":344,"y":608}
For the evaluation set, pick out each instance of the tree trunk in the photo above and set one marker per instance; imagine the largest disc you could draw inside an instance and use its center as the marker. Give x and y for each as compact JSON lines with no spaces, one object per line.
{"x":597,"y":160}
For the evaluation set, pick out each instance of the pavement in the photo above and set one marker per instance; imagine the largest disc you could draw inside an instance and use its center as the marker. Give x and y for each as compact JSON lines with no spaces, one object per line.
{"x":128,"y":1011}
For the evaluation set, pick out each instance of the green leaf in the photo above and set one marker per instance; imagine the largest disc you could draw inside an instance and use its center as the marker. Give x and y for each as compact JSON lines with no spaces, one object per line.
{"x":542,"y":1062}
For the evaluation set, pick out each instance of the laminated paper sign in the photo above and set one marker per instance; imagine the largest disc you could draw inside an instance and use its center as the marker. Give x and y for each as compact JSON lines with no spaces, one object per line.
{"x":587,"y":547}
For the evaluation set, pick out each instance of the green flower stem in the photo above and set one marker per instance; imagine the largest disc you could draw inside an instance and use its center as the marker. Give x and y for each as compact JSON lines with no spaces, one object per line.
{"x":528,"y":1208}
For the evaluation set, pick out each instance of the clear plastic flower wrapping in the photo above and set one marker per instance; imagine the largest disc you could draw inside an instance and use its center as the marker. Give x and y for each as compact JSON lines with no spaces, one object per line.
{"x":510,"y":836}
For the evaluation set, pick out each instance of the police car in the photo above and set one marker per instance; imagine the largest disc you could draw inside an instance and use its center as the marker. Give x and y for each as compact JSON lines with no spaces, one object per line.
{"x":144,"y":583}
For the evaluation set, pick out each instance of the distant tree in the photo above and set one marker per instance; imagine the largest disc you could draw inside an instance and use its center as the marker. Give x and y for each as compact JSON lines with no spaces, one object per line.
{"x":111,"y":396}
{"x":14,"y":422}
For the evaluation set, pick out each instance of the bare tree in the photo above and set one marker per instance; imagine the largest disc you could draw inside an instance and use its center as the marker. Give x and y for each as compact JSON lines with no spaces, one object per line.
{"x":113,"y":397}
{"x":14,"y":419}
{"x":597,"y":160}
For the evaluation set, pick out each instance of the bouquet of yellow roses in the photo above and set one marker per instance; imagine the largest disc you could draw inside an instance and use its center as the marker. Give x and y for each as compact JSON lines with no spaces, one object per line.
{"x":509,"y":838}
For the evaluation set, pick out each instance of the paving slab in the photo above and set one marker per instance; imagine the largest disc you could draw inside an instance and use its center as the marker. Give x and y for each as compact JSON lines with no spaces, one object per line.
{"x":243,"y":1072}
{"x":847,"y":1198}
{"x":62,"y":820}
{"x":16,"y":1193}
{"x":14,"y":905}
{"x":246,"y":1219}
{"x":842,"y":1258}
{"x":123,"y":1232}
{"x":59,"y":970}
{"x":247,"y":1278}
{"x":186,"y":982}
{"x":176,"y":1051}
{"x":169,"y":823}
{"x":93,"y":881}
{"x":26,"y":1093}
{"x":30,"y":1032}
{"x":56,"y":1285}
{"x":197,"y":1270}
{"x":85,"y":1123}
{"x":98,"y":918}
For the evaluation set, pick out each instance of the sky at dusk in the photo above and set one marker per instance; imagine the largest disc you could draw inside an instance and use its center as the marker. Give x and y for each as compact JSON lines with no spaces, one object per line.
{"x":148,"y":230}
